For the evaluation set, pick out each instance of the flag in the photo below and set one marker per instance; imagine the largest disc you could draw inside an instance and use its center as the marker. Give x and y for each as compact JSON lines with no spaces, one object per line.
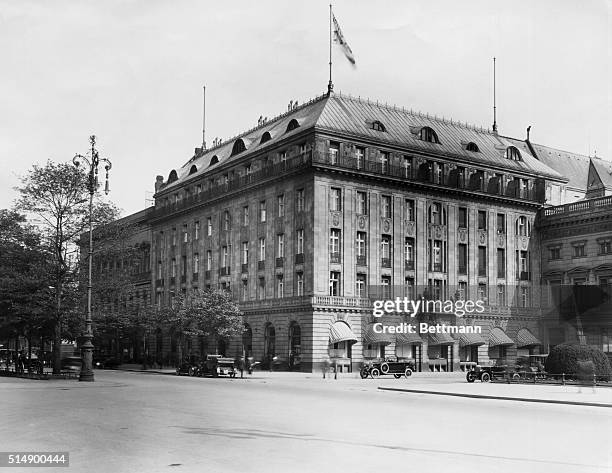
{"x":341,"y":41}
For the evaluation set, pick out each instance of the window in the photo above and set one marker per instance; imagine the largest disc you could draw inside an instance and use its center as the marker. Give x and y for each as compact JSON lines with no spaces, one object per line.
{"x":261,"y":288}
{"x":280,"y":286}
{"x":501,"y":295}
{"x":245,"y":252}
{"x":513,"y":154}
{"x":196,"y":263}
{"x":463,"y":219}
{"x":185,"y":233}
{"x":386,"y":206}
{"x":281,"y":205}
{"x":362,"y":203}
{"x":501,"y":223}
{"x":554,"y":253}
{"x":226,"y":221}
{"x":522,"y":264}
{"x":184,"y":265}
{"x":409,"y":253}
{"x":409,"y":288}
{"x":427,"y":134}
{"x":209,"y":226}
{"x":262,"y":211}
{"x":436,"y":256}
{"x":334,"y":283}
{"x":196,"y":230}
{"x":385,"y":282}
{"x":334,"y":149}
{"x":208,"y":260}
{"x":410,"y":215}
{"x":262,"y":249}
{"x":501,"y":263}
{"x":605,"y":246}
{"x":247,"y":172}
{"x":299,"y":200}
{"x":384,"y":162}
{"x":198,"y":189}
{"x":523,"y":227}
{"x":299,"y":235}
{"x":280,"y":247}
{"x":244,"y":293}
{"x":282,"y":157}
{"x":525,"y":302}
{"x":300,"y":283}
{"x":435,"y":214}
{"x":407,"y":165}
{"x":359,"y":157}
{"x":173,"y":268}
{"x":482,"y":261}
{"x":335,"y":201}
{"x":463,"y":258}
{"x":174,"y":237}
{"x":579,"y":249}
{"x":482,"y":292}
{"x":224,"y":257}
{"x":378,"y":126}
{"x":245,"y":215}
{"x":482,"y":220}
{"x":360,"y":286}
{"x":159,"y":270}
{"x":385,"y":246}
{"x":334,"y":245}
{"x":473,"y":147}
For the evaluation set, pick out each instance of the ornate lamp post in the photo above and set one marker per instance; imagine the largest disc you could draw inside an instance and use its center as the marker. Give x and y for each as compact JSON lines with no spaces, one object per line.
{"x":92,"y":186}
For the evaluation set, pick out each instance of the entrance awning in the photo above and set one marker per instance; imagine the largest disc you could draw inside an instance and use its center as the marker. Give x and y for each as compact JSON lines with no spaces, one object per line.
{"x":499,"y":338}
{"x":440,"y":339}
{"x":524,"y":338}
{"x":373,"y":338}
{"x":470,"y":339}
{"x":341,"y":332}
{"x":408,"y":339}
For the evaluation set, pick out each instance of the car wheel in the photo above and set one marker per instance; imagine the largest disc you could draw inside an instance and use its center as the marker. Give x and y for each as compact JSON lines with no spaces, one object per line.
{"x":374,"y":373}
{"x":384,"y":368}
{"x":470,"y":377}
{"x":364,"y":373}
{"x":516,"y":377}
{"x":178,"y":371}
{"x":485,"y":378}
{"x":397,"y":375}
{"x":191,"y":371}
{"x":408,"y":373}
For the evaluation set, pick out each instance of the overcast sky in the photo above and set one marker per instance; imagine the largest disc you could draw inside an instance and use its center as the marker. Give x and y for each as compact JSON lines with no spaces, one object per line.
{"x":131,"y":72}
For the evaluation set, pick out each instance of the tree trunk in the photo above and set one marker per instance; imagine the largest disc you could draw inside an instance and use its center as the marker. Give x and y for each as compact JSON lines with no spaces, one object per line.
{"x":57,"y":331}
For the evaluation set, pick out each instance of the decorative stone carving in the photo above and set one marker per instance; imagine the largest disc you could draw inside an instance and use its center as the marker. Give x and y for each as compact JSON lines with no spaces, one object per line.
{"x":501,"y":240}
{"x":335,"y":219}
{"x":524,"y":242}
{"x":410,"y":228}
{"x":462,"y":235}
{"x":482,"y":237}
{"x":386,"y":225}
{"x":361,"y":222}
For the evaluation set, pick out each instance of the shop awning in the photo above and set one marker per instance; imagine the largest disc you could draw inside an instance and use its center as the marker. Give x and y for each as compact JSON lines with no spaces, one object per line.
{"x":524,"y":338}
{"x":408,"y":339}
{"x":341,"y":332}
{"x":468,"y":339}
{"x":440,"y":339}
{"x":499,"y":338}
{"x":371,"y":337}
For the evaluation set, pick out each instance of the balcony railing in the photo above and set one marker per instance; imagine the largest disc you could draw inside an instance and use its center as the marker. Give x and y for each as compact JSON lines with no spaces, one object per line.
{"x":261,"y":265}
{"x":299,"y":258}
{"x":335,"y":258}
{"x":409,"y":264}
{"x":362,"y":260}
{"x":280,"y":262}
{"x":245,"y":267}
{"x":385,"y":262}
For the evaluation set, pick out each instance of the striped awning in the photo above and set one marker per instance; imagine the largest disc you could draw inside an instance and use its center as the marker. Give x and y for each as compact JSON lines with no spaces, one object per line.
{"x":470,"y":339}
{"x":341,"y":332}
{"x":524,"y":338}
{"x":440,"y":339}
{"x":408,"y":339}
{"x":499,"y":338}
{"x":373,"y":338}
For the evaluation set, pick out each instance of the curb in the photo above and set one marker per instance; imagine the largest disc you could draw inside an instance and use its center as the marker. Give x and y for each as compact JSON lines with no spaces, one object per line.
{"x":499,"y":398}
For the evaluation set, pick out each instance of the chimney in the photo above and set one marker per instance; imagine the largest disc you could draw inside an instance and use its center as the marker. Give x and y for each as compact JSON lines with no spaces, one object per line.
{"x":528,"y":131}
{"x":159,"y":182}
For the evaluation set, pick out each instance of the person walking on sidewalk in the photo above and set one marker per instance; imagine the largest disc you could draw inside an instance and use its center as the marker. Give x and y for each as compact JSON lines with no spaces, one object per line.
{"x":325,"y":366}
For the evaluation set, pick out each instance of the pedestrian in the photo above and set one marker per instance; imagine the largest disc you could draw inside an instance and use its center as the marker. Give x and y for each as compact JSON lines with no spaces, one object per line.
{"x":325,"y":365}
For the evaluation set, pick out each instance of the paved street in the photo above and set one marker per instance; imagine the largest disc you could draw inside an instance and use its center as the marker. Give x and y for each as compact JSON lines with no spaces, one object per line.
{"x":140,"y":422}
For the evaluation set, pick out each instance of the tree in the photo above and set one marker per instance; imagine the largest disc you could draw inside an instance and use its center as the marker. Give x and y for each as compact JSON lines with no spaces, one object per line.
{"x":56,"y":195}
{"x":210,"y":312}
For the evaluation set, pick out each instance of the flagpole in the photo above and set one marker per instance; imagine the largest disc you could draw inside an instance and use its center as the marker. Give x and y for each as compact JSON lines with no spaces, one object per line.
{"x":330,"y":85}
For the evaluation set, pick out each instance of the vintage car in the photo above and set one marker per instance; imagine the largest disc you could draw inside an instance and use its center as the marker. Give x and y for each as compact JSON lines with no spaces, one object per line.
{"x":487,"y":373}
{"x":530,"y":367}
{"x":216,"y":365}
{"x":388,"y":366}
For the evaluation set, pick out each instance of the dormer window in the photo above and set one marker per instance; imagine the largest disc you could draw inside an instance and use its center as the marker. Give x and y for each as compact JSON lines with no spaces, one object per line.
{"x":173,"y":176}
{"x":265,"y":137}
{"x":238,"y":147}
{"x":193,"y":169}
{"x":427,"y":134}
{"x":214,"y":160}
{"x":293,"y":124}
{"x":378,"y":126}
{"x":473,"y":147}
{"x":513,"y":154}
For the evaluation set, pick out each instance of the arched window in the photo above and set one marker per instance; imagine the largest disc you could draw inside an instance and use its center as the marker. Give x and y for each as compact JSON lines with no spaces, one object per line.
{"x":295,"y":345}
{"x":173,"y":176}
{"x":269,"y":341}
{"x":473,"y":147}
{"x":214,"y":160}
{"x":378,"y":126}
{"x":238,"y":147}
{"x":193,"y":169}
{"x":523,"y":226}
{"x":293,"y":124}
{"x":427,"y":134}
{"x":265,"y":137}
{"x":247,"y":340}
{"x":513,"y":154}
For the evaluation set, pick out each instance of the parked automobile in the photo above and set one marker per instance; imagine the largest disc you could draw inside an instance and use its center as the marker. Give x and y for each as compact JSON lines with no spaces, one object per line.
{"x":388,"y":366}
{"x":528,"y":367}
{"x":487,"y":373}
{"x":72,"y":364}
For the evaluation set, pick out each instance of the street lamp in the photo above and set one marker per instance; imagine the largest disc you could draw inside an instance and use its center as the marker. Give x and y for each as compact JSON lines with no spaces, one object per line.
{"x":92,"y":186}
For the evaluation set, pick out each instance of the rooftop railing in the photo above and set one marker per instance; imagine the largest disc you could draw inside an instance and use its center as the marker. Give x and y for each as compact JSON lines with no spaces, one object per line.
{"x":579,"y":207}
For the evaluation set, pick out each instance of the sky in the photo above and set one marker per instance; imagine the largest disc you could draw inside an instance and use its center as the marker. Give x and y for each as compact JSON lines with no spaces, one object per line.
{"x":132,"y":71}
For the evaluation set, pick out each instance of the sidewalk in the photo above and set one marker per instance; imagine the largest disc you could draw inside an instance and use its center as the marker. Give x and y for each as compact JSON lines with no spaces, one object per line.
{"x":551,"y":394}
